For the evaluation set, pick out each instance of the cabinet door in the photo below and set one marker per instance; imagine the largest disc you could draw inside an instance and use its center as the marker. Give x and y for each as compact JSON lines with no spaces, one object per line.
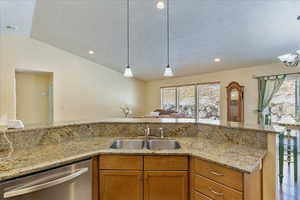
{"x":165,"y":185}
{"x":121,"y":185}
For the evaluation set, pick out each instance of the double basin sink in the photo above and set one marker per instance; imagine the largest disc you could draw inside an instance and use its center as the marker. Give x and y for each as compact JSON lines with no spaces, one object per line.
{"x":152,"y":144}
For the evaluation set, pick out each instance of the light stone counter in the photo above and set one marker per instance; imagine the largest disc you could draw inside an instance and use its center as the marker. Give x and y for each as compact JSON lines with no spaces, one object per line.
{"x":295,"y":125}
{"x":41,"y":157}
{"x":238,"y":146}
{"x":215,"y":123}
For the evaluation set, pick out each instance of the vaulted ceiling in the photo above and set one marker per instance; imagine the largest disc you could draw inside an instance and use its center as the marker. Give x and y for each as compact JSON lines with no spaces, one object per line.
{"x":242,"y":33}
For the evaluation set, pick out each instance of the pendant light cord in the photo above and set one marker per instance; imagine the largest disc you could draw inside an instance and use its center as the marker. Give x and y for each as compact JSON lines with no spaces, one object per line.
{"x":128,"y":38}
{"x":168,"y":31}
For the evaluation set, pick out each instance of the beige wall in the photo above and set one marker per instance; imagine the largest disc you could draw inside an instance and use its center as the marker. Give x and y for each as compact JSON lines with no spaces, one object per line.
{"x":32,"y":97}
{"x":82,"y":90}
{"x":243,"y":75}
{"x":85,"y":91}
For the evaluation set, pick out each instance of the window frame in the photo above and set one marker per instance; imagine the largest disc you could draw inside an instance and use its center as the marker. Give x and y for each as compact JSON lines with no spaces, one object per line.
{"x":219,"y":107}
{"x":178,"y":98}
{"x":296,"y":98}
{"x":162,"y":97}
{"x":196,"y":88}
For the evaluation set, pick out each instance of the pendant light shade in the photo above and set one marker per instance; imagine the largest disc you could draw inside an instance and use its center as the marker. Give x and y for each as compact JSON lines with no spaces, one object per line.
{"x":168,"y":70}
{"x":128,"y":73}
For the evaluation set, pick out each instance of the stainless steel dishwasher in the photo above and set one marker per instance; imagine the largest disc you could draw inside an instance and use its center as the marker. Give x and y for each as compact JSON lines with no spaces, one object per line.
{"x":70,"y":182}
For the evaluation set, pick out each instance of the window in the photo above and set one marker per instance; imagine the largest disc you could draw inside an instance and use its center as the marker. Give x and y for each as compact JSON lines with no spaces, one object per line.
{"x":209,"y":101}
{"x":187,"y":101}
{"x":168,"y":99}
{"x":200,"y":101}
{"x":283,"y":104}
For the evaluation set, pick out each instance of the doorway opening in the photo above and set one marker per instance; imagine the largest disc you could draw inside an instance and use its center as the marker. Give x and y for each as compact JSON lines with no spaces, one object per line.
{"x":34,"y":97}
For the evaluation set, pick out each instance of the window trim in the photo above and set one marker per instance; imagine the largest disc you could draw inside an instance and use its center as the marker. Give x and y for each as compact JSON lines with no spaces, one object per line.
{"x":191,"y":84}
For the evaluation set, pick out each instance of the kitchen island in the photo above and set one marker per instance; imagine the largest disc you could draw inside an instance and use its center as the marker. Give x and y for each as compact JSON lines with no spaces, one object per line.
{"x":242,"y":148}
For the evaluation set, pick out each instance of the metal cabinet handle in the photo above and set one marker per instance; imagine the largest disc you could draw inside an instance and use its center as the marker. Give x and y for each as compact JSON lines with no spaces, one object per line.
{"x":216,"y":173}
{"x":216,"y":193}
{"x":21,"y":191}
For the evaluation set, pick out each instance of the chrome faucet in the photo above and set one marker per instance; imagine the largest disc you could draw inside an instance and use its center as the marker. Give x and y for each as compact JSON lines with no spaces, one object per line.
{"x":147,"y":134}
{"x":162,"y":136}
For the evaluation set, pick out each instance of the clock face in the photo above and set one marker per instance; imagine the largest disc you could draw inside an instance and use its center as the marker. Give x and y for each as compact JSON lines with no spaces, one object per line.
{"x":234,"y":95}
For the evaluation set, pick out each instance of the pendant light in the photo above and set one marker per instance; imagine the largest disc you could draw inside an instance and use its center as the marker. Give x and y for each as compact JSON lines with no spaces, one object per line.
{"x":168,"y":70}
{"x":128,"y":73}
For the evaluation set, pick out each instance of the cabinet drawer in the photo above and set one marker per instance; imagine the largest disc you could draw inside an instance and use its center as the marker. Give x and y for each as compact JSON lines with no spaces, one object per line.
{"x":214,"y":190}
{"x":166,"y":163}
{"x":198,"y":196}
{"x":121,"y":162}
{"x":218,"y":173}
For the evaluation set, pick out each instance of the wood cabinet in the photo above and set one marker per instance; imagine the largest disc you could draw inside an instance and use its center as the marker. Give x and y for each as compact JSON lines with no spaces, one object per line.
{"x":210,"y":181}
{"x":126,"y":177}
{"x":166,"y":177}
{"x":166,"y":163}
{"x":121,"y":177}
{"x":213,"y":189}
{"x":165,"y":185}
{"x":121,"y":185}
{"x":118,"y":162}
{"x":218,"y":173}
{"x":198,"y":196}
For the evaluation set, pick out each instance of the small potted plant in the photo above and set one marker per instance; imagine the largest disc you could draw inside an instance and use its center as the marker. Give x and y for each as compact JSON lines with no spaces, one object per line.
{"x":126,"y":110}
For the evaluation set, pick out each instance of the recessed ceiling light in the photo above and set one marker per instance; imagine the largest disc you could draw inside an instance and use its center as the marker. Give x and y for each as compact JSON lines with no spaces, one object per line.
{"x":217,"y":59}
{"x":91,"y":52}
{"x":160,"y":5}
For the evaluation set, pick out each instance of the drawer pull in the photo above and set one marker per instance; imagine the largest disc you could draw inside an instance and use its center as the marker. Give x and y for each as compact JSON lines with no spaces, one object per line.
{"x":216,"y":193}
{"x":216,"y":173}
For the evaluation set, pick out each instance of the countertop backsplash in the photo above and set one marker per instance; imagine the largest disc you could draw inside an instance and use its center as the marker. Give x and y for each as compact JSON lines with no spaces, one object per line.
{"x":26,"y":138}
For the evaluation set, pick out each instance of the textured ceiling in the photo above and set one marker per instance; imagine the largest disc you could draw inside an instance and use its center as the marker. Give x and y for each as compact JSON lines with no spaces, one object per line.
{"x":241,"y":33}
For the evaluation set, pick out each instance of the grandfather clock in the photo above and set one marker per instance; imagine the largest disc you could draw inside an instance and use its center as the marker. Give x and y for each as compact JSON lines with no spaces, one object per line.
{"x":235,"y":102}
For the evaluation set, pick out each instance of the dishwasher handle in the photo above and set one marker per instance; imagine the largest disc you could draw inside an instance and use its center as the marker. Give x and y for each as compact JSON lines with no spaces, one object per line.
{"x":21,"y":191}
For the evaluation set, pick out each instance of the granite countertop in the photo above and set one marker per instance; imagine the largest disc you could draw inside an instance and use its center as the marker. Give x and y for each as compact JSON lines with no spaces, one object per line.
{"x":233,"y":125}
{"x":26,"y":161}
{"x":289,"y":124}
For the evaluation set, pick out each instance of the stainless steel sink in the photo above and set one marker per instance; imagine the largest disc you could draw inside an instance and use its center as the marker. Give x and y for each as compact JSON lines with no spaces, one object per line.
{"x":156,"y":144}
{"x":128,"y":144}
{"x":153,"y":144}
